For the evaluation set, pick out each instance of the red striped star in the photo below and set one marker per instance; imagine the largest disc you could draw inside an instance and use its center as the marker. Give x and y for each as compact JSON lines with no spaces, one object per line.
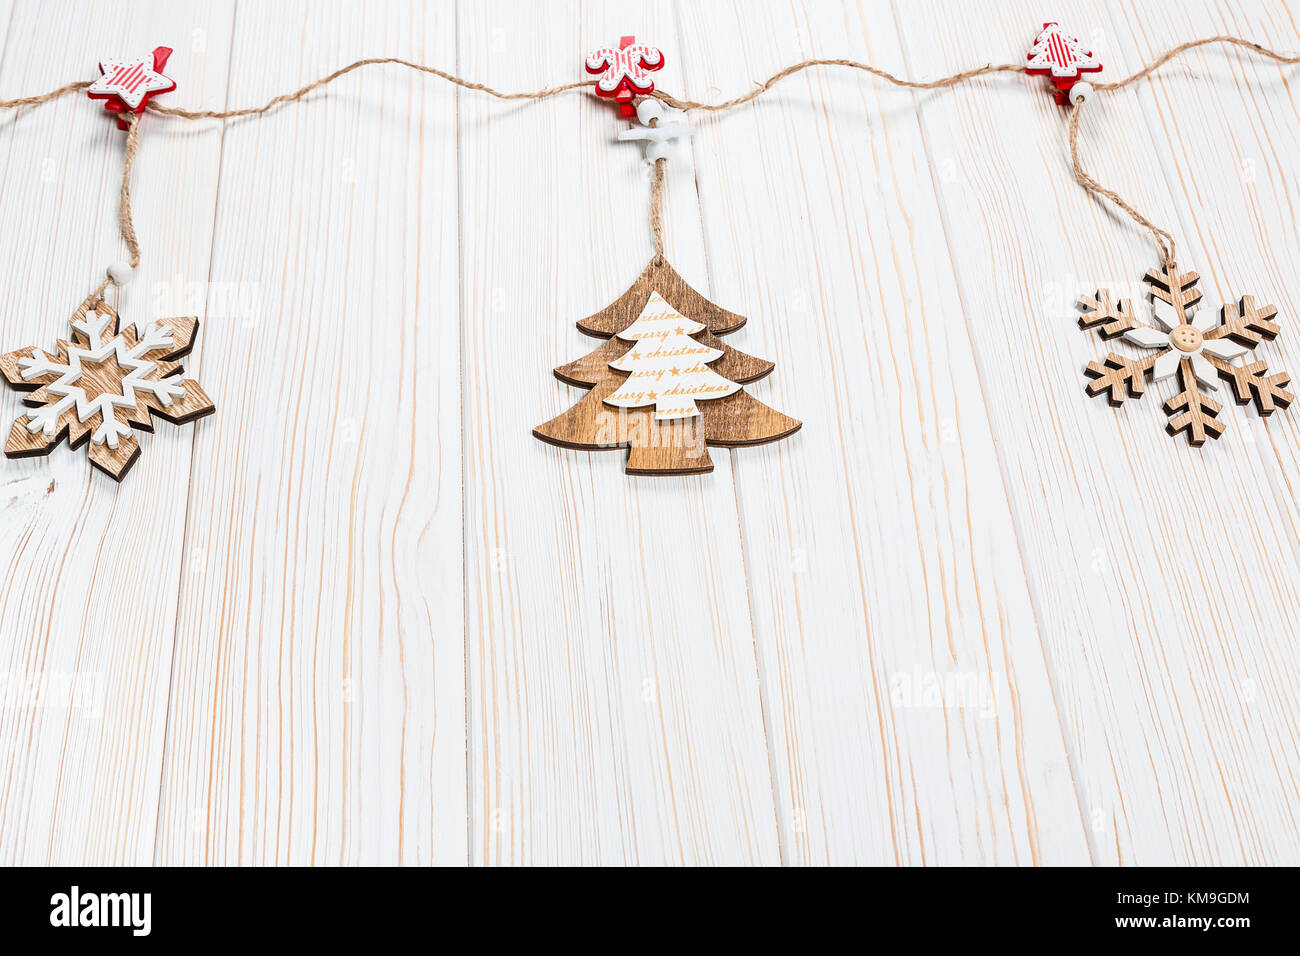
{"x":127,"y":85}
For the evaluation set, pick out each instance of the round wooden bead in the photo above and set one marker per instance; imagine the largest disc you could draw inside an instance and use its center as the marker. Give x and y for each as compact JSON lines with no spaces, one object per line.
{"x":1080,"y":92}
{"x":649,"y":109}
{"x":120,"y":273}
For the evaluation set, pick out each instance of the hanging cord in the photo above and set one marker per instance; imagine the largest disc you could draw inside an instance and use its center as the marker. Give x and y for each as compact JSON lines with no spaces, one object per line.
{"x":125,"y":222}
{"x":942,"y":82}
{"x":543,"y":94}
{"x":1163,"y":239}
{"x":657,"y":202}
{"x":44,"y":97}
{"x":1182,"y":48}
{"x":370,"y":61}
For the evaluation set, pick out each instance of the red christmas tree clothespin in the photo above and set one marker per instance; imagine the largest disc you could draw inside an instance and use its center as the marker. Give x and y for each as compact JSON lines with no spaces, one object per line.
{"x":127,"y":85}
{"x":625,"y":72}
{"x":1062,"y":57}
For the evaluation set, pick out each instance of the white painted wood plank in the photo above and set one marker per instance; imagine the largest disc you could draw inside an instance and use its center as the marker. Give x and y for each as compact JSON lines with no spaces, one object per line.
{"x":318,"y":691}
{"x":88,"y":602}
{"x":318,"y":711}
{"x":1228,"y":126}
{"x":614,"y":702}
{"x":1159,"y":614}
{"x":909,"y":705}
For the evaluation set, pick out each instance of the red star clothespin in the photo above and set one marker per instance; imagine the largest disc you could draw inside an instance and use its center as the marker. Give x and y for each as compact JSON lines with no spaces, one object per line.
{"x":1062,"y":57}
{"x":127,"y":85}
{"x":625,"y":72}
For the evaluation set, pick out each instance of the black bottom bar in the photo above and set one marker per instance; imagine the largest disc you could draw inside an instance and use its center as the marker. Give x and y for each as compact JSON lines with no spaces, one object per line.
{"x":298,"y":906}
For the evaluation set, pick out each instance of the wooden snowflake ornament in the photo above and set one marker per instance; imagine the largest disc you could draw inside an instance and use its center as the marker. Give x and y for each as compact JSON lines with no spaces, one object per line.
{"x":624,"y":73}
{"x":1062,"y":57}
{"x":126,"y":86}
{"x":663,"y":385}
{"x":1193,"y":347}
{"x":100,"y":384}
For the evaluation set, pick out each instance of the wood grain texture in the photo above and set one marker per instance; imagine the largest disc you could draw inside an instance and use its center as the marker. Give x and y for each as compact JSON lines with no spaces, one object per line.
{"x":1235,"y":213}
{"x":952,"y":620}
{"x":614,"y":700}
{"x":1170,"y":694}
{"x":318,"y":688}
{"x":898,"y":646}
{"x":79,"y":770}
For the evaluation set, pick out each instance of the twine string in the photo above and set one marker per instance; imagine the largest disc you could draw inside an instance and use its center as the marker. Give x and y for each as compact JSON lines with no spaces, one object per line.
{"x":97,"y":296}
{"x":1175,"y":52}
{"x":124,"y":198}
{"x":310,"y":88}
{"x":125,"y":221}
{"x":657,"y":202}
{"x":44,"y":97}
{"x":1163,"y":239}
{"x":942,"y":82}
{"x":549,"y":92}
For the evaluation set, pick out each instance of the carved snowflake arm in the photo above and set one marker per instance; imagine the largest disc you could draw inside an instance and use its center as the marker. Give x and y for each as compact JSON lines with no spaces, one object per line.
{"x":1193,"y":412}
{"x":46,"y":418}
{"x":166,"y":390}
{"x":1175,"y":289}
{"x":1119,"y":378}
{"x":1103,"y":313}
{"x":38,"y":364}
{"x":1251,"y":382}
{"x":180,"y":329}
{"x":111,"y":430}
{"x":1247,"y":323}
{"x":93,"y":326}
{"x":154,"y":336}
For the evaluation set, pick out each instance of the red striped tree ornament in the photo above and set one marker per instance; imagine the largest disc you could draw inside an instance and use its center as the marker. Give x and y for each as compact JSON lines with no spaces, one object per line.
{"x":1062,"y":57}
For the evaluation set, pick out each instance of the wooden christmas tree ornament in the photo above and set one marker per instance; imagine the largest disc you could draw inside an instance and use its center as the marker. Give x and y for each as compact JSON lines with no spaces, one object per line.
{"x":1194,"y":347}
{"x":100,"y":384}
{"x":663,"y":385}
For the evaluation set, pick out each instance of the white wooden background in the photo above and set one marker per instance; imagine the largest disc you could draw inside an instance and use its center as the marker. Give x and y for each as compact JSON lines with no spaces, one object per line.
{"x":362,"y":616}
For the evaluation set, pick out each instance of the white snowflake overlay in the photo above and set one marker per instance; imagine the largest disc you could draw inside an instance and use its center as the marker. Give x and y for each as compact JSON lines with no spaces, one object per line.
{"x":130,"y":358}
{"x":100,"y":383}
